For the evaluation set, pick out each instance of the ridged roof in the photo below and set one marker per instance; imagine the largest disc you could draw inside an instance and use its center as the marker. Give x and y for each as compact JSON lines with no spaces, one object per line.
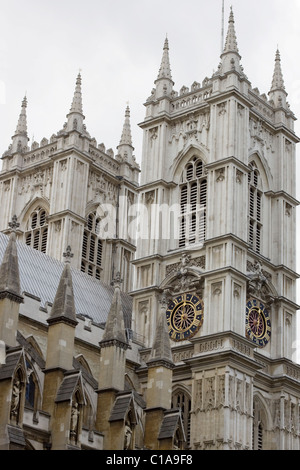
{"x":40,"y":275}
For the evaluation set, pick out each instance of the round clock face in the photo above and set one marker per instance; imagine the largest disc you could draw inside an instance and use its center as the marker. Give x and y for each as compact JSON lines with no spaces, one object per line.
{"x":258,"y":324}
{"x":184,"y":316}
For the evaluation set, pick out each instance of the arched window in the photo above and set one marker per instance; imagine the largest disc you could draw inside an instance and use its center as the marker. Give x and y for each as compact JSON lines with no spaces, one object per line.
{"x":92,"y":247}
{"x":193,"y":195}
{"x":36,"y":233}
{"x":182,"y":400}
{"x":259,"y":424}
{"x":255,"y":209}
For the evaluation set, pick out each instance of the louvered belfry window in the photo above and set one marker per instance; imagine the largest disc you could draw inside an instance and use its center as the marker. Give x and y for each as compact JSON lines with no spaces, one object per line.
{"x":36,"y":234}
{"x":193,"y":195}
{"x":255,"y":210}
{"x":92,"y":247}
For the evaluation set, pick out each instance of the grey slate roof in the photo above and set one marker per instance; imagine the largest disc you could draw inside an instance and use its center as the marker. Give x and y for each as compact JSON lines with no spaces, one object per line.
{"x":40,"y":275}
{"x":16,"y":435}
{"x":122,"y":404}
{"x":171,"y":421}
{"x":67,"y":387}
{"x":7,"y":370}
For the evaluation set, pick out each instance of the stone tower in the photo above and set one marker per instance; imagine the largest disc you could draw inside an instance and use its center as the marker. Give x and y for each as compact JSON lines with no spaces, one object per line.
{"x":71,"y":190}
{"x":218,"y":204}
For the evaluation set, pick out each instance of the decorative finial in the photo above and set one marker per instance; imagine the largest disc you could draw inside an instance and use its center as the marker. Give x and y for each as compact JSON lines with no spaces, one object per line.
{"x":117,"y":281}
{"x":13,"y":225}
{"x":68,"y":255}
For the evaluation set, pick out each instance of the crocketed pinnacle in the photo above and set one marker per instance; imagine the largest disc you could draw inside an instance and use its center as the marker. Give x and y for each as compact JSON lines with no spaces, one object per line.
{"x":231,"y":40}
{"x":114,"y":327}
{"x":165,"y":69}
{"x":277,"y":82}
{"x":22,"y":122}
{"x":9,"y":271}
{"x":77,"y":99}
{"x":161,"y":349}
{"x":126,"y":138}
{"x":63,"y":308}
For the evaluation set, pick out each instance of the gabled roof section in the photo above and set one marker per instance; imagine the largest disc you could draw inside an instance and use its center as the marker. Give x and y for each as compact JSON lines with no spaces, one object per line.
{"x":171,"y":422}
{"x":125,"y":402}
{"x":14,"y":357}
{"x":70,"y":383}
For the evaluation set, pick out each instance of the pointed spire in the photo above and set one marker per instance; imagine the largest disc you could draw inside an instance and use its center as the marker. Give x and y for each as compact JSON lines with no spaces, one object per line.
{"x":115,"y":328}
{"x":63,"y":308}
{"x":75,"y":116}
{"x":231,"y":40}
{"x":277,"y":82}
{"x":165,"y":68}
{"x":9,"y":269}
{"x":126,"y":138}
{"x":161,"y":349}
{"x":76,"y":106}
{"x":230,"y":58}
{"x":22,"y":122}
{"x":20,"y":139}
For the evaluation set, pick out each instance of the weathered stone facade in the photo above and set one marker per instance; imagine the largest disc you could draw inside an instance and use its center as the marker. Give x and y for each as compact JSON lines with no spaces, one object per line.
{"x":89,"y":365}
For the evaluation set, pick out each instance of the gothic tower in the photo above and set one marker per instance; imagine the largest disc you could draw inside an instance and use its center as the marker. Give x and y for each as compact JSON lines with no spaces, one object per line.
{"x":70,"y":190}
{"x":218,"y":206}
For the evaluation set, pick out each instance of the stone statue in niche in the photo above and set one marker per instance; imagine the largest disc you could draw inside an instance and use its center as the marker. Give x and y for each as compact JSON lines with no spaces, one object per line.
{"x":127,"y":435}
{"x":74,"y":420}
{"x":15,"y":400}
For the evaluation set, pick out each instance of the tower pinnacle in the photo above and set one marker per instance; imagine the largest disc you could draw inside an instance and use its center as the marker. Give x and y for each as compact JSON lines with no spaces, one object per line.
{"x":277,"y":82}
{"x":126,"y":138}
{"x":231,"y":40}
{"x":76,"y":106}
{"x":230,"y":58}
{"x":277,"y":92}
{"x":164,"y":83}
{"x":75,"y":116}
{"x":165,"y":68}
{"x":20,"y":139}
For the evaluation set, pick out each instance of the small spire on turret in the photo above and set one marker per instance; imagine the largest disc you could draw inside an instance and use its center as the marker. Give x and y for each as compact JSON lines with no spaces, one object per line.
{"x":75,"y":116}
{"x":277,"y":93}
{"x":22,"y":123}
{"x":165,"y":68}
{"x":20,"y":139}
{"x":76,"y":106}
{"x":277,"y":82}
{"x":231,"y":40}
{"x":125,"y":147}
{"x":126,"y":138}
{"x":230,"y":58}
{"x":164,"y":83}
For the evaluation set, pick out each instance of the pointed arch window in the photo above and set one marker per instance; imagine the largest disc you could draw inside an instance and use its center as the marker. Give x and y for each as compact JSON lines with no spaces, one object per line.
{"x":259,"y":424}
{"x":182,"y":400}
{"x":36,"y":234}
{"x":92,"y":247}
{"x":255,"y":209}
{"x":193,"y":199}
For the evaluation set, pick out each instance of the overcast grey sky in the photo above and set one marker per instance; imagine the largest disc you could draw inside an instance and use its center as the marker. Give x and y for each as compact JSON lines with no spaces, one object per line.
{"x":118,"y":46}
